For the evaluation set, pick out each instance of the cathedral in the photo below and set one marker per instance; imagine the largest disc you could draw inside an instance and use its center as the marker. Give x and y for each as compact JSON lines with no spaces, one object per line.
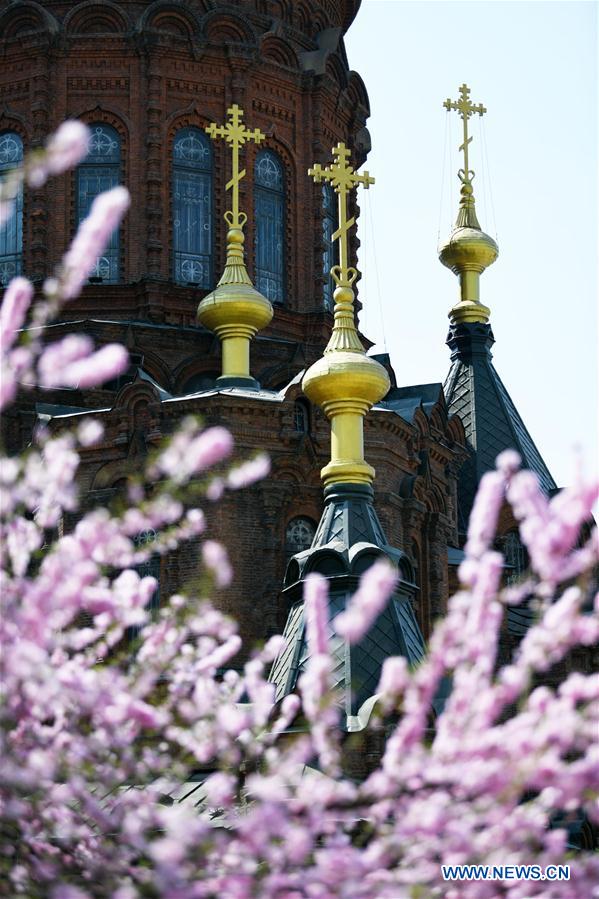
{"x":241,"y":133}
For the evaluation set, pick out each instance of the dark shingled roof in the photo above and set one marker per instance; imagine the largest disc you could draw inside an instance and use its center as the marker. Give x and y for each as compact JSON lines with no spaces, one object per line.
{"x":475,"y":392}
{"x":348,"y":540}
{"x":404,"y":401}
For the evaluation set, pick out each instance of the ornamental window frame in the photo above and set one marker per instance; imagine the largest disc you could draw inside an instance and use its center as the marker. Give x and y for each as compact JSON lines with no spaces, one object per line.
{"x":104,"y":162}
{"x":199,"y":266}
{"x":270,"y":210}
{"x":299,"y":523}
{"x":11,"y":234}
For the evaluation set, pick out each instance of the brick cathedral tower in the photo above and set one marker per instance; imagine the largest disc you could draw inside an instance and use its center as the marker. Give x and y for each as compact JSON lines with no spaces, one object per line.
{"x":148,"y":78}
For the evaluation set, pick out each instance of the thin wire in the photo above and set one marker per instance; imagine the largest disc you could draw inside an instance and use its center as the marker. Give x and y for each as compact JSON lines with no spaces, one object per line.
{"x":451,"y":169}
{"x":484,"y":169}
{"x":490,"y":180}
{"x":442,"y":191}
{"x":370,"y":205}
{"x":364,"y":268}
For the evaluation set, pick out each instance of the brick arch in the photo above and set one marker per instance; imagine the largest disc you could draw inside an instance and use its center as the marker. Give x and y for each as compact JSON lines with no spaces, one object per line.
{"x":171,"y":18}
{"x":455,"y":430}
{"x":421,"y":422}
{"x":26,"y":18}
{"x":357,"y":92}
{"x":281,"y":9}
{"x":106,"y":476}
{"x":92,"y":17}
{"x":302,"y":18}
{"x":281,"y":373}
{"x":228,"y":27}
{"x":438,"y":418}
{"x":288,"y":473}
{"x":336,"y":70}
{"x":275,"y":49}
{"x":316,"y":19}
{"x":436,"y":500}
{"x":12,"y":121}
{"x":154,"y":366}
{"x":192,"y":367}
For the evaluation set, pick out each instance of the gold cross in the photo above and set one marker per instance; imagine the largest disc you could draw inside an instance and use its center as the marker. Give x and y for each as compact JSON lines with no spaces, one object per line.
{"x":236,"y":134}
{"x":465,"y":108}
{"x":343,"y":179}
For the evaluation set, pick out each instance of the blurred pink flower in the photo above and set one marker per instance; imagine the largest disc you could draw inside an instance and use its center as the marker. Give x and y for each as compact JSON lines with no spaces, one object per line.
{"x":376,"y":586}
{"x":15,"y":303}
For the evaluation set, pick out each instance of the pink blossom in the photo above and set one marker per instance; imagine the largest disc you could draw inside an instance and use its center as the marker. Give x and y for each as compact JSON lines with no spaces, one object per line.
{"x":103,"y":365}
{"x":394,"y":679}
{"x":16,"y":302}
{"x":316,"y":607}
{"x":485,"y":512}
{"x":190,"y":453}
{"x":70,"y":362}
{"x":215,"y":558}
{"x":94,"y":232}
{"x":249,"y":472}
{"x":100,"y":734}
{"x":90,"y":431}
{"x":376,"y":586}
{"x":67,"y":146}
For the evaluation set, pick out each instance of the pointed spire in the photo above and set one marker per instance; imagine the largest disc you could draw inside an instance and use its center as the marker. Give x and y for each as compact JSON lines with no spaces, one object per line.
{"x":345,"y":382}
{"x":235,"y":310}
{"x":468,"y":251}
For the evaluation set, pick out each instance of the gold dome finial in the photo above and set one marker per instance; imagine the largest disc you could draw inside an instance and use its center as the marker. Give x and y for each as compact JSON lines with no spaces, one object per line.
{"x":468,"y":251}
{"x":345,"y":381}
{"x":235,"y":310}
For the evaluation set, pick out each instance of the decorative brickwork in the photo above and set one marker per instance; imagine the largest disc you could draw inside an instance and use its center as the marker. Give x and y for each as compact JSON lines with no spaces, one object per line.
{"x":148,"y":69}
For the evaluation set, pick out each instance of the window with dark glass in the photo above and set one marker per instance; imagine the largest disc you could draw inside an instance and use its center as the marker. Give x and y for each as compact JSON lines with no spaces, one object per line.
{"x":269,"y":215}
{"x":192,"y":207}
{"x":329,"y":253}
{"x":151,"y":567}
{"x":301,"y":421}
{"x":515,"y":555}
{"x":11,"y":233}
{"x":100,"y":171}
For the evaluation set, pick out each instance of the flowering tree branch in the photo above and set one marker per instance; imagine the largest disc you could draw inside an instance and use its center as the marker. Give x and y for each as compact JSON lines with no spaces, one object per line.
{"x":99,"y":734}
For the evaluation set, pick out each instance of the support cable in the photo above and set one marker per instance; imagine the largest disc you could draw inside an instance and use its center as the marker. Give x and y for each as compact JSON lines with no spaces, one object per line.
{"x":443,"y":169}
{"x":370,"y":204}
{"x":490,"y":181}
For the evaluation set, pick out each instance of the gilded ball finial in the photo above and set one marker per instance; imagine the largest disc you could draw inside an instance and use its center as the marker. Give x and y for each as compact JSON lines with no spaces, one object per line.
{"x":345,"y":382}
{"x":468,"y":251}
{"x":235,"y":310}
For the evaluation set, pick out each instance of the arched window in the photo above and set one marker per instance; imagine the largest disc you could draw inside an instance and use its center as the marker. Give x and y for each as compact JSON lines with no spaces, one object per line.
{"x":192,"y":208}
{"x":151,"y":567}
{"x":299,"y":535}
{"x":100,"y":171}
{"x":301,"y":417}
{"x":11,"y":233}
{"x":329,"y":253}
{"x":515,"y":555}
{"x":269,"y":214}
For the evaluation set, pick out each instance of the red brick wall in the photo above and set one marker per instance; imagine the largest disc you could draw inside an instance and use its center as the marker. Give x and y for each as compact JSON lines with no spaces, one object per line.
{"x":146,"y":77}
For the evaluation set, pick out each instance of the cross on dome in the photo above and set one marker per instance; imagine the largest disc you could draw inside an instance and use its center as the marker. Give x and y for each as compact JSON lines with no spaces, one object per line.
{"x":465,"y":108}
{"x":236,"y":135}
{"x":343,"y":178}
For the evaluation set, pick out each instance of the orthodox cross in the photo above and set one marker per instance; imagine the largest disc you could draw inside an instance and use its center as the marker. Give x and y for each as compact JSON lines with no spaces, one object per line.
{"x":343,"y":179}
{"x":465,"y":108}
{"x":236,"y":135}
